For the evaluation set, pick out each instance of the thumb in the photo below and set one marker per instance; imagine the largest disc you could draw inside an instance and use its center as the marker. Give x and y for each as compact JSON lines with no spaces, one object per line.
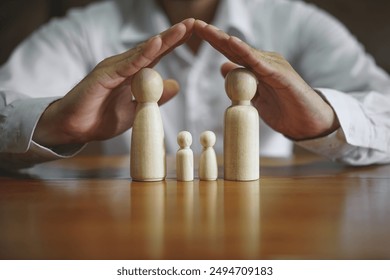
{"x":171,"y":88}
{"x":227,"y":67}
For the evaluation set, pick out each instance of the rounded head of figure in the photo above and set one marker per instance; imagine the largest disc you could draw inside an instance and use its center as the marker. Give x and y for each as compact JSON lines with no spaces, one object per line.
{"x":207,"y":139}
{"x":184,"y":139}
{"x":147,"y":85}
{"x":240,"y":84}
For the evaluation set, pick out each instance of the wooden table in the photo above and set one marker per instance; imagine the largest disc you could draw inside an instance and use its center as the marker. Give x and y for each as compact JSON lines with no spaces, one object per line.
{"x":301,"y":208}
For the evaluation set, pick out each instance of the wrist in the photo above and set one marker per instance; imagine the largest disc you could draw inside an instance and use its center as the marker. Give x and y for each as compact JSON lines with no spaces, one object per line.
{"x":49,"y":132}
{"x":322,"y":123}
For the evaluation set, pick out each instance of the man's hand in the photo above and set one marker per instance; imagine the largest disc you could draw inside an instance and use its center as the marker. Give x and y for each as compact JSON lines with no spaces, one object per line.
{"x":101,"y":106}
{"x":284,"y":100}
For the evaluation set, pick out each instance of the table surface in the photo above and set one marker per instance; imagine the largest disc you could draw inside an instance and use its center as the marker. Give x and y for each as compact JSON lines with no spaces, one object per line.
{"x":303,"y":207}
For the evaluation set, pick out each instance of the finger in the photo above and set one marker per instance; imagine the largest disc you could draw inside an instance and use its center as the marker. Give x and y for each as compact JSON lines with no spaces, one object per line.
{"x":155,"y":48}
{"x":234,"y":49}
{"x":175,"y":36}
{"x":143,"y":58}
{"x":227,"y":67}
{"x":171,"y":88}
{"x":171,"y":37}
{"x":243,"y":50}
{"x":216,"y":38}
{"x":116,"y":69}
{"x":112,"y":76}
{"x":212,"y":35}
{"x":256,"y":60}
{"x":128,"y":53}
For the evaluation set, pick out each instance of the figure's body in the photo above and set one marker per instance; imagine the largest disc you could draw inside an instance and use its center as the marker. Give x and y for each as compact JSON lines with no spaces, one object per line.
{"x":208,"y":165}
{"x":241,"y":137}
{"x":147,"y":159}
{"x":184,"y":157}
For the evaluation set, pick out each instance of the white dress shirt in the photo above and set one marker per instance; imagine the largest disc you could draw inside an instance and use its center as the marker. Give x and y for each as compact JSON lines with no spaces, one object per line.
{"x":58,"y":55}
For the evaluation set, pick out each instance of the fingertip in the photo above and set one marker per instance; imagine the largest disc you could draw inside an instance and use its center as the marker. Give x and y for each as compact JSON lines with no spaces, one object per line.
{"x":171,"y":88}
{"x":151,"y":49}
{"x":180,"y":29}
{"x":154,"y":43}
{"x":227,"y":67}
{"x":200,"y":23}
{"x":189,"y":22}
{"x":199,"y":26}
{"x":171,"y":85}
{"x":189,"y":25}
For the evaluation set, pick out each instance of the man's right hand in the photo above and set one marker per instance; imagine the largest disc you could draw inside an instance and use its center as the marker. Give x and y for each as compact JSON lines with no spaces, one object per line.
{"x":284,"y":100}
{"x":101,"y":106}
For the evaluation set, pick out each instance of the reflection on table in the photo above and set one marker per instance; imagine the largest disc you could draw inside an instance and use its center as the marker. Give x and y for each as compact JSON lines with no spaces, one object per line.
{"x":302,"y":208}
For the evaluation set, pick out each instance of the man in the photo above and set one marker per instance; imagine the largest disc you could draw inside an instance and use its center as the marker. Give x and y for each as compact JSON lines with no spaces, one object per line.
{"x":54,"y":99}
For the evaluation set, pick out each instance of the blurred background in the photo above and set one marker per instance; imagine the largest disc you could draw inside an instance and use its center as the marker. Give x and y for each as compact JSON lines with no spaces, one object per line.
{"x":368,"y":20}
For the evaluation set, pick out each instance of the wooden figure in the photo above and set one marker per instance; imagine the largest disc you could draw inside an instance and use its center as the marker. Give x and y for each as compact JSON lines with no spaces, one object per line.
{"x":184,"y":157}
{"x":208,"y":166}
{"x":241,"y":131}
{"x":147,"y":158}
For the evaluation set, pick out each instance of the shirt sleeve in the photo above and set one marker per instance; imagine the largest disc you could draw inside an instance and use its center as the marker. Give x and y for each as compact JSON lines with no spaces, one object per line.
{"x":363,"y":137}
{"x":41,"y":70}
{"x":335,"y":64}
{"x":17,"y":127}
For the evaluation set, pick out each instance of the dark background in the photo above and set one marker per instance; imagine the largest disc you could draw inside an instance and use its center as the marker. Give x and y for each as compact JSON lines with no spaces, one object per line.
{"x":368,"y":20}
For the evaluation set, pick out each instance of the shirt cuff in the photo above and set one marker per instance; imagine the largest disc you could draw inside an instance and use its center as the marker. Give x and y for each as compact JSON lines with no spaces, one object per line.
{"x":63,"y":151}
{"x":36,"y":154}
{"x":352,"y":118}
{"x":356,"y":141}
{"x":18,"y":150}
{"x":332,"y":146}
{"x":21,"y":118}
{"x":338,"y":143}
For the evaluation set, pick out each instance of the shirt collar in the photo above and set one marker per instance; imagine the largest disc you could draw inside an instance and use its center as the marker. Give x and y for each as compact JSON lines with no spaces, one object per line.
{"x":233,"y":17}
{"x":144,"y":19}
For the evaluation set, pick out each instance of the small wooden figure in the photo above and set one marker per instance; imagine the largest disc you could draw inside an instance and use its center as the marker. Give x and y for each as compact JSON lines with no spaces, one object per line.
{"x":241,"y":131}
{"x":147,"y":158}
{"x":208,"y":166}
{"x":184,"y":157}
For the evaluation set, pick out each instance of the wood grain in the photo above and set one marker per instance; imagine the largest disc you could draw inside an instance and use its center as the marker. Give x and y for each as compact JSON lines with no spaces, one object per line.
{"x":241,"y":127}
{"x":301,"y":208}
{"x":147,"y":138}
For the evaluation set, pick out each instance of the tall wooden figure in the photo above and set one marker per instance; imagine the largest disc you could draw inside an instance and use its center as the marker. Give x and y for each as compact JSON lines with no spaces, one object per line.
{"x":147,"y":158}
{"x":184,"y":157}
{"x":241,"y":131}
